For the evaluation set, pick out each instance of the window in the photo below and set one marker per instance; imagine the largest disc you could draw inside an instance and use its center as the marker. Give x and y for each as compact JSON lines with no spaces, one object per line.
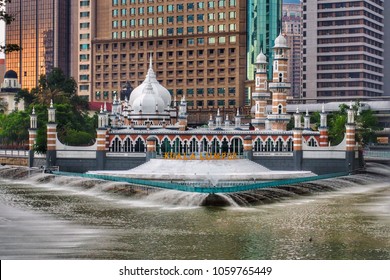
{"x":84,"y":36}
{"x":123,"y":23}
{"x":115,"y":24}
{"x":84,"y":25}
{"x":84,"y":57}
{"x":211,"y":4}
{"x":115,"y":2}
{"x":84,"y":87}
{"x":84,"y":3}
{"x":200,"y":41}
{"x":200,"y":17}
{"x":190,"y":30}
{"x":160,"y":9}
{"x":232,"y":3}
{"x":150,"y":10}
{"x":84,"y":15}
{"x":200,"y":5}
{"x":84,"y":67}
{"x":221,"y":3}
{"x":190,"y":18}
{"x":123,"y":12}
{"x":84,"y":77}
{"x":114,"y":35}
{"x":170,"y":8}
{"x":190,"y":6}
{"x":199,"y":29}
{"x":180,"y":7}
{"x":84,"y":47}
{"x":115,"y":13}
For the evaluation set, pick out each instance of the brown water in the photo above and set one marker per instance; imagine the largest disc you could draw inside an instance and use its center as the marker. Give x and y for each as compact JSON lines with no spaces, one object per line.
{"x":64,"y":220}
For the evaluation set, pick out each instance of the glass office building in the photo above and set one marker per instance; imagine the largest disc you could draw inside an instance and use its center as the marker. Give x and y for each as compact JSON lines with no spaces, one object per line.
{"x":41,"y":29}
{"x":264,"y":18}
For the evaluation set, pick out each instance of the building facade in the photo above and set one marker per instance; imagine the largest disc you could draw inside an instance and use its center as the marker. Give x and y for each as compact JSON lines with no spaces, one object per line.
{"x":41,"y":29}
{"x":198,"y":50}
{"x":343,"y":49}
{"x":82,"y":33}
{"x":291,"y":28}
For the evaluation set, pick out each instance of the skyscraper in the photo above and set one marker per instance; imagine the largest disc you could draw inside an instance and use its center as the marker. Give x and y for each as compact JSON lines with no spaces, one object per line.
{"x":343,"y":49}
{"x":263,"y":26}
{"x":82,"y":32}
{"x":41,"y":29}
{"x":292,"y":30}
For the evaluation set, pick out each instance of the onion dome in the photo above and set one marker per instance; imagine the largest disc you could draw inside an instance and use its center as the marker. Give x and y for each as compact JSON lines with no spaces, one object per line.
{"x":10,"y":74}
{"x":280,"y":42}
{"x":261,"y":58}
{"x":157,"y":88}
{"x":148,"y":102}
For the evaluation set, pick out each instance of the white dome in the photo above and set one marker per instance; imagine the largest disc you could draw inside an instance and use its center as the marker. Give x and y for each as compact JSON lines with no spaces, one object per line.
{"x":148,"y":102}
{"x":280,"y":42}
{"x":261,"y":58}
{"x":157,"y":89}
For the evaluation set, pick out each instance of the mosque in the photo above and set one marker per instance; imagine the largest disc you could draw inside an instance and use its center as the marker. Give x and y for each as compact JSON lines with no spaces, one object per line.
{"x":145,"y":126}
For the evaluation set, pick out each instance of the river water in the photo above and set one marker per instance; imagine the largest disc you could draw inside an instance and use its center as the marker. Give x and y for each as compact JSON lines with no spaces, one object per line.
{"x":69,"y":219}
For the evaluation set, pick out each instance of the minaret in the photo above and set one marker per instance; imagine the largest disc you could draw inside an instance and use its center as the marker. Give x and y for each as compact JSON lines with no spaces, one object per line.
{"x":306,"y":121}
{"x":324,"y":142}
{"x":350,"y":139}
{"x":237,"y":119}
{"x":32,"y":135}
{"x":218,"y":119}
{"x":261,"y":93}
{"x":51,"y":153}
{"x":101,"y":133}
{"x":183,"y":114}
{"x":297,"y":138}
{"x":279,"y":86}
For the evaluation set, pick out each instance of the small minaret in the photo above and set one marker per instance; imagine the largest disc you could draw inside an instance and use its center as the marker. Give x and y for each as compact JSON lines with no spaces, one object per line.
{"x":101,"y":133}
{"x":51,"y":154}
{"x":237,"y":119}
{"x":279,"y":86}
{"x":261,"y":93}
{"x":183,"y":114}
{"x":218,"y":119}
{"x":32,"y":136}
{"x":297,"y":139}
{"x":211,"y":122}
{"x":306,"y":120}
{"x":324,"y":141}
{"x":227,"y":122}
{"x":350,"y":139}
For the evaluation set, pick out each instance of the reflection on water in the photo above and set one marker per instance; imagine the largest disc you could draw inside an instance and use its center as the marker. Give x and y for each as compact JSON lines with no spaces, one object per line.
{"x":72,"y":219}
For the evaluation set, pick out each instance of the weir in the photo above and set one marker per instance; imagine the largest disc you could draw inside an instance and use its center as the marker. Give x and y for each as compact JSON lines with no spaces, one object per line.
{"x":200,"y":189}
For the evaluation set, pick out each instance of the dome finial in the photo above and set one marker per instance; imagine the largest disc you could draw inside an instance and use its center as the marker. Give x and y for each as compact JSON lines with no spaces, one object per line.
{"x":151,"y":61}
{"x":51,"y":103}
{"x":33,"y":110}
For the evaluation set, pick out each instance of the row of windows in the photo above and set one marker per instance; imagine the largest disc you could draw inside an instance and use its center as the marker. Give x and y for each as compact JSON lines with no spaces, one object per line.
{"x":172,"y":19}
{"x":175,"y":32}
{"x":178,"y":7}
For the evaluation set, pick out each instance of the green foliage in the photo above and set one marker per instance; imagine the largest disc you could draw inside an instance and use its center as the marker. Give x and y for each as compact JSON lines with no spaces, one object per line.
{"x":78,"y":138}
{"x":14,"y":129}
{"x":74,"y":125}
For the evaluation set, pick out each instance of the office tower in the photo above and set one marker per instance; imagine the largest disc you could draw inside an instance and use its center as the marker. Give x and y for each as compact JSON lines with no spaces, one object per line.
{"x":82,"y":33}
{"x":2,"y":69}
{"x":291,"y":28}
{"x":387,"y":49}
{"x":263,"y":26}
{"x":343,"y":49}
{"x":41,"y":29}
{"x":198,"y":50}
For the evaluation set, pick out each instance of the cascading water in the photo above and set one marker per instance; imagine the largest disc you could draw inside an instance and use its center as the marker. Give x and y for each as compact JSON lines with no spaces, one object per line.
{"x":100,"y":188}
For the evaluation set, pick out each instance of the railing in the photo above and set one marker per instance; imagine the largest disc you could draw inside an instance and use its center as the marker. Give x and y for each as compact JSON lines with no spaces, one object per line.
{"x":197,"y":189}
{"x":14,"y":153}
{"x":377,"y":154}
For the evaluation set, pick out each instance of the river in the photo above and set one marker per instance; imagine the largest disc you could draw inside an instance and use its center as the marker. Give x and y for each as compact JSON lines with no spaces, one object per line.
{"x":68,"y":219}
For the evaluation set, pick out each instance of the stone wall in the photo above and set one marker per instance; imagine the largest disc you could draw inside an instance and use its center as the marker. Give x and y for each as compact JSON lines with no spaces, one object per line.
{"x":4,"y":160}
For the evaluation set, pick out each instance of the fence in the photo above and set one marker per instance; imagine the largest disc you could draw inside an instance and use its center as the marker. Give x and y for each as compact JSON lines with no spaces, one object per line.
{"x":197,"y":189}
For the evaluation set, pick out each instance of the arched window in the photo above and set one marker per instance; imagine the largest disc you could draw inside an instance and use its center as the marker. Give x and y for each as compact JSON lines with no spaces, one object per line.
{"x":312,"y":142}
{"x":258,"y":145}
{"x":193,"y":148}
{"x":166,"y":146}
{"x":280,"y":77}
{"x":236,"y":146}
{"x":280,"y":109}
{"x":290,"y":145}
{"x":116,"y":145}
{"x":127,"y":145}
{"x":279,"y":145}
{"x":139,"y":146}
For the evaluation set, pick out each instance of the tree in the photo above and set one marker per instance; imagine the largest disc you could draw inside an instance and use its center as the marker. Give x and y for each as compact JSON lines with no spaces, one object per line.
{"x":7,"y":18}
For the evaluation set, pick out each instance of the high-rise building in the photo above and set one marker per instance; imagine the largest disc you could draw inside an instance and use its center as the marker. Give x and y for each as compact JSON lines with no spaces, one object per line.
{"x":198,"y":50}
{"x":41,"y":29}
{"x":291,"y":28}
{"x":82,"y":30}
{"x":263,"y":26}
{"x":343,"y":49}
{"x":387,"y":49}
